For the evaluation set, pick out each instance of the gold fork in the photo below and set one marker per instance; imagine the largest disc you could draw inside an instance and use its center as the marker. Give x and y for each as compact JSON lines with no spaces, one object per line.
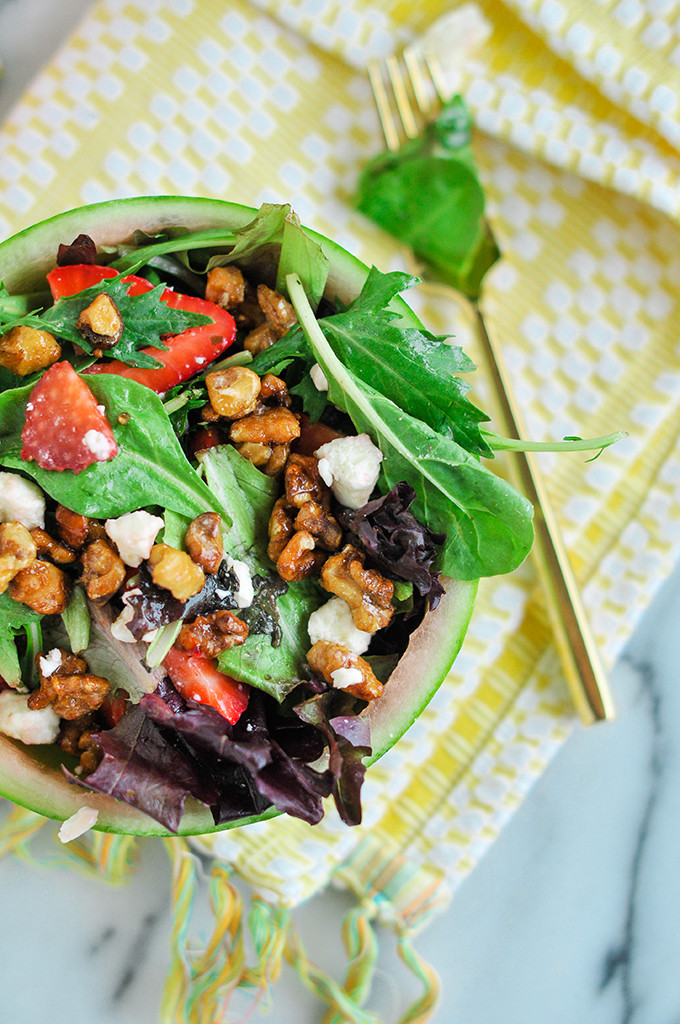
{"x":408,"y":91}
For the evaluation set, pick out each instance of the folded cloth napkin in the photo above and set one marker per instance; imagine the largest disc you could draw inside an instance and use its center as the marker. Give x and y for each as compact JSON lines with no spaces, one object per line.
{"x":578,"y":110}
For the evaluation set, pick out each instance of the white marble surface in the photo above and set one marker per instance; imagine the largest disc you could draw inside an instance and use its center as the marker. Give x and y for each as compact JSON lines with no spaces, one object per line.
{"x":570,"y":919}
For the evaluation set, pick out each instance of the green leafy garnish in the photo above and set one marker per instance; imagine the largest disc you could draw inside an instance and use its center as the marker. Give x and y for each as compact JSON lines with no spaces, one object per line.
{"x":486,"y":521}
{"x":428,"y":195}
{"x":146,"y":318}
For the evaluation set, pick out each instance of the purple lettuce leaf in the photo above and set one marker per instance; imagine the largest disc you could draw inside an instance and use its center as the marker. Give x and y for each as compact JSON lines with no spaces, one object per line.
{"x":143,"y":769}
{"x":398,"y":543}
{"x":348,"y":741}
{"x":155,"y":606}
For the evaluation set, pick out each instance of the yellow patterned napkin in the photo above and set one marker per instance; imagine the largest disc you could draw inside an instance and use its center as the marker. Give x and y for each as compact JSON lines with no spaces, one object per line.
{"x":578,"y":106}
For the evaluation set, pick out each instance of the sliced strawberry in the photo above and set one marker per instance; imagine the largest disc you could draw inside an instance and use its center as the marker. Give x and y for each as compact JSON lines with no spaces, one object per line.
{"x":188,"y":352}
{"x":65,"y":428}
{"x":114,"y":707}
{"x":198,"y":679}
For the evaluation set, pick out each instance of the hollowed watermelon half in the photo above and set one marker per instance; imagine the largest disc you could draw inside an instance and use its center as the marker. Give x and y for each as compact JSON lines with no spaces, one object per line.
{"x":30,"y":775}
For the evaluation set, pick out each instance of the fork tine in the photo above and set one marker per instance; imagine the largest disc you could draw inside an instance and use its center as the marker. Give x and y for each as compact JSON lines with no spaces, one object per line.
{"x":418,"y":73}
{"x":398,"y":82}
{"x":437,"y":76}
{"x":382,"y":103}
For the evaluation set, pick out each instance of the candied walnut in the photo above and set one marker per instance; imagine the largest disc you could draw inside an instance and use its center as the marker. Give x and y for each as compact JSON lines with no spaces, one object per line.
{"x":234,"y":391}
{"x":48,"y":547}
{"x":17,"y":551}
{"x":208,"y":414}
{"x":41,"y":586}
{"x":103,"y":571}
{"x":314,"y":518}
{"x":366,"y":591}
{"x":258,"y":454}
{"x":75,"y":738}
{"x":343,"y":668}
{"x":260,"y":338}
{"x":281,"y":529}
{"x":276,"y":463}
{"x":70,"y":696}
{"x":24,"y":350}
{"x":299,"y":558}
{"x":100,"y":323}
{"x":209,"y":635}
{"x":204,"y":541}
{"x":303,"y":482}
{"x":175,"y":571}
{"x":274,"y":390}
{"x":278,"y":310}
{"x":75,"y":529}
{"x":225,"y":287}
{"x":274,"y":426}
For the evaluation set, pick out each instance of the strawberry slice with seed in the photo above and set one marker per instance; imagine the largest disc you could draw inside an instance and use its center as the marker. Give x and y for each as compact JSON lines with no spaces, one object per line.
{"x":65,"y":428}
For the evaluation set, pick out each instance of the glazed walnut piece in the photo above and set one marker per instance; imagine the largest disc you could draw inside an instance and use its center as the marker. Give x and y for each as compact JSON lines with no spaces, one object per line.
{"x":204,"y":541}
{"x":103,"y":571}
{"x":70,"y":689}
{"x":48,"y":547}
{"x":75,"y":529}
{"x":234,"y":391}
{"x":17,"y":551}
{"x":24,"y":350}
{"x":344,"y":669}
{"x":303,"y":482}
{"x":300,"y":558}
{"x":100,"y":323}
{"x":225,"y":287}
{"x":273,"y":426}
{"x":209,"y":635}
{"x":366,"y":591}
{"x":281,"y":529}
{"x":175,"y":571}
{"x":324,"y":527}
{"x":41,"y":586}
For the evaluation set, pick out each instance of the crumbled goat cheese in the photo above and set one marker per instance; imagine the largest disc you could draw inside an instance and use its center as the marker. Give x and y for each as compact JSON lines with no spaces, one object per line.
{"x":333,"y":621}
{"x":119,"y":629}
{"x":21,"y":501}
{"x":21,"y":723}
{"x":319,"y":379}
{"x":99,"y":444}
{"x":350,"y":466}
{"x":50,"y":662}
{"x":245,"y":594}
{"x":344,"y":677}
{"x":80,"y":822}
{"x":134,"y":534}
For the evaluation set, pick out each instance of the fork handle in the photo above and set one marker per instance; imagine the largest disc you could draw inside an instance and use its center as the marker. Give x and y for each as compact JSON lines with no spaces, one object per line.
{"x":575,"y":643}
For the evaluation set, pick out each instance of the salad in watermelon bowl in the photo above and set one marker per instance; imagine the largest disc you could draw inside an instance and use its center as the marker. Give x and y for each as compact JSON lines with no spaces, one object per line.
{"x":243,"y":512}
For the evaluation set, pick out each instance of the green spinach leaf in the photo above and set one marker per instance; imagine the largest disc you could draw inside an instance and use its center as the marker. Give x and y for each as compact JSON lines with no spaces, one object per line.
{"x":150,"y":468}
{"x":428,"y":195}
{"x":14,"y":617}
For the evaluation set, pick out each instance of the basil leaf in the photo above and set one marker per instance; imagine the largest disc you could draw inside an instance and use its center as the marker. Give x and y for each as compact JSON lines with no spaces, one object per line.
{"x":150,"y":468}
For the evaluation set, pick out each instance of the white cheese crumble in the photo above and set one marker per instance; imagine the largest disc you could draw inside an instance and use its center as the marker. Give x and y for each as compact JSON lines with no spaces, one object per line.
{"x":344,"y":677}
{"x":333,"y":621}
{"x":99,"y":444}
{"x":22,"y":723}
{"x":119,"y":629}
{"x":80,"y":822}
{"x":134,"y":534}
{"x":245,"y":594}
{"x":319,"y":379}
{"x":350,"y":466}
{"x":50,"y":662}
{"x":21,"y":501}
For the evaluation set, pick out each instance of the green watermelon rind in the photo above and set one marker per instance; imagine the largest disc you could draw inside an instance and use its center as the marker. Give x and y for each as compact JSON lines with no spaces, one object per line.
{"x":31,"y":776}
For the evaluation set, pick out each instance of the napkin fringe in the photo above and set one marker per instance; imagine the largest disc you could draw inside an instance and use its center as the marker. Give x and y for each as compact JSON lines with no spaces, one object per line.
{"x":205,"y":973}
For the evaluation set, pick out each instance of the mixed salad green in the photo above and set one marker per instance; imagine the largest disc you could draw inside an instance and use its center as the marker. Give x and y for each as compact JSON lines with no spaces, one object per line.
{"x":212,"y":682}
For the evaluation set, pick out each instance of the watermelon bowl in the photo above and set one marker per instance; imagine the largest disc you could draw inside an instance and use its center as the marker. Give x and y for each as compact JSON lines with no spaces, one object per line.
{"x":32,"y":775}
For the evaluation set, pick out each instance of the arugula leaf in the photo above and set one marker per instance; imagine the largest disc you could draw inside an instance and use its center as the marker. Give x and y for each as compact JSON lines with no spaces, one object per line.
{"x":303,"y":256}
{"x":14,"y":617}
{"x":428,"y":195}
{"x":486,"y":521}
{"x":150,"y":468}
{"x":76,"y":619}
{"x":278,"y":669}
